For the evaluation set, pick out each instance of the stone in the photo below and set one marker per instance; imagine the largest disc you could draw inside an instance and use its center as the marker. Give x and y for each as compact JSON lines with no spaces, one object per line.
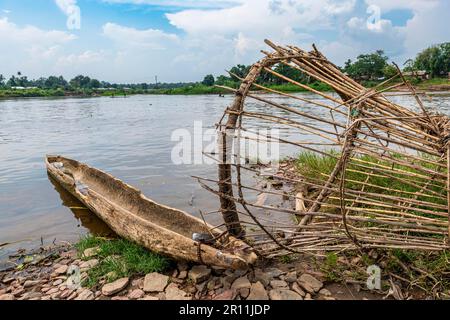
{"x":262,"y":277}
{"x":18,"y":291}
{"x":309,"y":283}
{"x":7,"y":296}
{"x":72,"y":296}
{"x":325,"y":292}
{"x":183,"y":275}
{"x":174,"y":293}
{"x":66,"y":294}
{"x":296,"y":288}
{"x":91,"y":252}
{"x":278,"y":284}
{"x":241,"y":283}
{"x":62,"y":270}
{"x":273,"y":272}
{"x":88,"y":264}
{"x":136,"y":294}
{"x":183,"y":266}
{"x":120,"y":298}
{"x":284,"y":294}
{"x":30,"y":283}
{"x":244,"y":293}
{"x":138,"y":283}
{"x":258,"y":292}
{"x":31,"y":296}
{"x":57,"y":282}
{"x":199,"y":273}
{"x":291,"y":277}
{"x":52,"y":291}
{"x":85,"y":295}
{"x":308,"y":297}
{"x":114,"y":287}
{"x":226,"y":295}
{"x":155,"y":282}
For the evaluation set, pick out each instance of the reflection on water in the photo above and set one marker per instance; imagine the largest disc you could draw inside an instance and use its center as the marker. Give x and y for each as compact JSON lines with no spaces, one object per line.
{"x":83,"y":215}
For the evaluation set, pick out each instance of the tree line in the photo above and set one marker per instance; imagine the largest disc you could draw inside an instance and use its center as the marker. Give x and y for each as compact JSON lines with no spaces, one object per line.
{"x":435,"y":60}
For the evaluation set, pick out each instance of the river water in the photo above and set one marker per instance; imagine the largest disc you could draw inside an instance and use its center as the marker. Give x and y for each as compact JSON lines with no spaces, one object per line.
{"x":127,"y":137}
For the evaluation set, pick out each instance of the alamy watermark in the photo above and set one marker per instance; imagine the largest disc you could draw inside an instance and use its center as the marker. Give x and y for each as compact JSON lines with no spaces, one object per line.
{"x":206,"y":146}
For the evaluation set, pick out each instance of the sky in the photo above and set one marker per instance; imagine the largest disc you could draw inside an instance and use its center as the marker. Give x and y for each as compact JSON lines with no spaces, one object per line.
{"x":132,"y":41}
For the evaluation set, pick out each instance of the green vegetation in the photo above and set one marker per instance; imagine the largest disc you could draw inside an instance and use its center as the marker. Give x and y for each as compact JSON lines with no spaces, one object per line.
{"x":369,"y":69}
{"x":119,"y":258}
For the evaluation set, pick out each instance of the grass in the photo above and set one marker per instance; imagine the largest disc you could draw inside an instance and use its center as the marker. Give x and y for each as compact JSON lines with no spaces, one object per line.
{"x":428,"y":272}
{"x":119,"y":258}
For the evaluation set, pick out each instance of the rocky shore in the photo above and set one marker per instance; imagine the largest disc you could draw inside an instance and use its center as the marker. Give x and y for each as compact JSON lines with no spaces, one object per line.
{"x":58,"y":277}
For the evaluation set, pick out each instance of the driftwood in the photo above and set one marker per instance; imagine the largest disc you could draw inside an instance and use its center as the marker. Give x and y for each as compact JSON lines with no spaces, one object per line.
{"x":390,"y":185}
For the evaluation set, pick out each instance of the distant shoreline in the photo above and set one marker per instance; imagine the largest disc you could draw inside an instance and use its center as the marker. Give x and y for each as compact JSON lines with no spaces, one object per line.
{"x":431,"y":85}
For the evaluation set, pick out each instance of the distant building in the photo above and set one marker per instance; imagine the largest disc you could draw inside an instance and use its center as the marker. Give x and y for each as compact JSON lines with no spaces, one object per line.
{"x":23,"y":88}
{"x":420,"y":74}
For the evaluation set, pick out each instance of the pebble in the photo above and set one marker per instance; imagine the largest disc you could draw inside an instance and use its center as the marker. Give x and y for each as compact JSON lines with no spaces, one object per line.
{"x":278,"y":284}
{"x":296,"y":288}
{"x":183,"y":275}
{"x":258,"y":292}
{"x":120,"y":298}
{"x":149,"y":298}
{"x":7,"y":296}
{"x":136,"y":294}
{"x":309,"y":283}
{"x":325,"y":292}
{"x":199,"y":273}
{"x":114,"y":287}
{"x":62,"y":270}
{"x":85,"y":295}
{"x":174,"y":293}
{"x":88,"y":264}
{"x":226,"y":295}
{"x":155,"y":282}
{"x":284,"y":294}
{"x":241,"y":283}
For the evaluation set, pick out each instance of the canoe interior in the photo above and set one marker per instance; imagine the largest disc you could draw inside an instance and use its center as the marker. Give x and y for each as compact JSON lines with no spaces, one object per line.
{"x":130,"y":199}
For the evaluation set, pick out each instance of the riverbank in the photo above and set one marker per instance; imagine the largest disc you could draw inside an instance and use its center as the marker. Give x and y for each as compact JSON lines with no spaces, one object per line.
{"x":79,"y":272}
{"x":426,"y":85}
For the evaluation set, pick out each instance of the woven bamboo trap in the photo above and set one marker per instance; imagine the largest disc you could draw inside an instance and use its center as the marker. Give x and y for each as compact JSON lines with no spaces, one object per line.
{"x":375,"y":174}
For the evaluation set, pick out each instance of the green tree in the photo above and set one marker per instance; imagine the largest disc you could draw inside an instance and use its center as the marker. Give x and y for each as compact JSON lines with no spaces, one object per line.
{"x":209,"y":80}
{"x":389,"y":71}
{"x":435,"y":60}
{"x":367,"y":66}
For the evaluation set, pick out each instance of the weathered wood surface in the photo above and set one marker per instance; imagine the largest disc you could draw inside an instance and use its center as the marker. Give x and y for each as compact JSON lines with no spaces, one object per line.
{"x":133,"y":216}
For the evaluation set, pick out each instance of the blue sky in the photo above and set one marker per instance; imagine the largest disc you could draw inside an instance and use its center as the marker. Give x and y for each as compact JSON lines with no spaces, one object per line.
{"x":134,"y":40}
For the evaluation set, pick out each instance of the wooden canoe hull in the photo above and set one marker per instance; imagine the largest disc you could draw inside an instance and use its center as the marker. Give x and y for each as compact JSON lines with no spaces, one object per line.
{"x":133,"y":216}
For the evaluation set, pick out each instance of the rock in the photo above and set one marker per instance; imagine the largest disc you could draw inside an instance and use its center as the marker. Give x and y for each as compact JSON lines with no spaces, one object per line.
{"x":241,"y":283}
{"x":325,"y":292}
{"x":262,"y":277}
{"x":57,"y":282}
{"x":278,"y":284}
{"x":308,"y":297}
{"x":138,"y":283}
{"x":244,"y":293}
{"x":226,"y":295}
{"x":291,"y":277}
{"x":199,"y":273}
{"x":114,"y":287}
{"x":183,"y":275}
{"x":8,"y":279}
{"x":284,"y":294}
{"x":258,"y":292}
{"x":31,"y":296}
{"x":30,"y":283}
{"x":309,"y":283}
{"x":72,"y":296}
{"x":85,"y":295}
{"x":120,"y":298}
{"x":155,"y":282}
{"x":7,"y":296}
{"x":296,"y":288}
{"x":149,"y":298}
{"x":183,"y":266}
{"x":174,"y":293}
{"x":91,"y":252}
{"x":273,"y":272}
{"x":52,"y":291}
{"x":66,"y":294}
{"x":62,"y":270}
{"x":88,"y":265}
{"x":136,"y":294}
{"x":18,"y":291}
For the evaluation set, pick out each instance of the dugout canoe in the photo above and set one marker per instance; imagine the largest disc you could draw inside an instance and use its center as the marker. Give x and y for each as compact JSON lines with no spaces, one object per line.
{"x":157,"y":227}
